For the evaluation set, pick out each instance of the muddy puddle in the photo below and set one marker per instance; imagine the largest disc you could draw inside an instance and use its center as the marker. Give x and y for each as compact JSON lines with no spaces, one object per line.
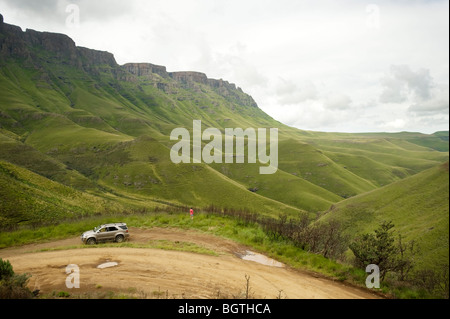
{"x":108,"y":265}
{"x":261,"y":259}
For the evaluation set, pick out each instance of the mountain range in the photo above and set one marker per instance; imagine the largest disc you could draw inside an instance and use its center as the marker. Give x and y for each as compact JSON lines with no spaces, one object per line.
{"x":82,"y":135}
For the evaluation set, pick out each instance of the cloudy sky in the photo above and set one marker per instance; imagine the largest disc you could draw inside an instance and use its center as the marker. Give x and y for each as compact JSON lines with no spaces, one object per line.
{"x":345,"y":66}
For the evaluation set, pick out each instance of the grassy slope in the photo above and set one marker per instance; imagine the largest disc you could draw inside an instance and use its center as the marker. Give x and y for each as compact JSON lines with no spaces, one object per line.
{"x":81,"y":138}
{"x":418,"y":207}
{"x":18,"y":153}
{"x":379,"y":159}
{"x":87,"y":128}
{"x":149,"y":172}
{"x":312,"y":164}
{"x":29,"y":198}
{"x":83,"y":141}
{"x":89,"y":133}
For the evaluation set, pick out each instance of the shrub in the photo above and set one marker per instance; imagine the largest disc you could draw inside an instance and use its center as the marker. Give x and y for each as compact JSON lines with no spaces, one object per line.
{"x":383,"y":250}
{"x":435,"y":282}
{"x":378,"y":249}
{"x":13,"y":286}
{"x":6,"y":270}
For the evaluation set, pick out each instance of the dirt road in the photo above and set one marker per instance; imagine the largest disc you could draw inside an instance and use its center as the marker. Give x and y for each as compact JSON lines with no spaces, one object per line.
{"x":157,"y":273}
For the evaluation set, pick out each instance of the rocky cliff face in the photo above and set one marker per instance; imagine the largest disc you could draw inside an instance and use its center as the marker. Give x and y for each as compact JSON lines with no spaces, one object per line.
{"x":12,"y":42}
{"x":189,"y":77}
{"x":224,"y":88}
{"x":39,"y":48}
{"x":60,"y":45}
{"x":94,"y":57}
{"x":160,"y":78}
{"x":145,"y":69}
{"x":30,"y":45}
{"x":197,"y":77}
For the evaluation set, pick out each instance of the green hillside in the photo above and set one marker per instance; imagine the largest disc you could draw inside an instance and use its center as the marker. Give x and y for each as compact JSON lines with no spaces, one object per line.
{"x":75,"y":117}
{"x":31,"y":198}
{"x":418,"y":206}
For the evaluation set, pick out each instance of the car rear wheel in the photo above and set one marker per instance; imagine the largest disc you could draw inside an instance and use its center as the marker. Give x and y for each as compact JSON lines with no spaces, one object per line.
{"x":119,"y":239}
{"x":91,"y":241}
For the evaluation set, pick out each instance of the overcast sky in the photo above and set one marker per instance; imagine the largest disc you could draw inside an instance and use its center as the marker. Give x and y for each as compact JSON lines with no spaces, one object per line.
{"x":343,"y":66}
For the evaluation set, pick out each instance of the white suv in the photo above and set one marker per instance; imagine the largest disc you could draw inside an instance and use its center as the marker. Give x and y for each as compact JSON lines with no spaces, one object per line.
{"x":117,"y":232}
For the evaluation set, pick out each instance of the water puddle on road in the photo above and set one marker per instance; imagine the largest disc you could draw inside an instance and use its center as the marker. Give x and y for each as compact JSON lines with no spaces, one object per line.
{"x":261,"y":259}
{"x":108,"y":265}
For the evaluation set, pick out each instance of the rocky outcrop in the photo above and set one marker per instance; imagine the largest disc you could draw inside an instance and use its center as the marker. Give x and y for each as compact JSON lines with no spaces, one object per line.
{"x":198,"y":77}
{"x":221,"y":84}
{"x":12,"y":42}
{"x":46,"y":46}
{"x":160,"y":78}
{"x":145,"y":69}
{"x":155,"y":74}
{"x":60,"y":45}
{"x":224,"y":88}
{"x":189,"y":77}
{"x":95,"y":57}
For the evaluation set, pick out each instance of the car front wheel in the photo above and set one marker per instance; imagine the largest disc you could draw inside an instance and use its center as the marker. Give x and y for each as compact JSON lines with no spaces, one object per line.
{"x":91,"y":241}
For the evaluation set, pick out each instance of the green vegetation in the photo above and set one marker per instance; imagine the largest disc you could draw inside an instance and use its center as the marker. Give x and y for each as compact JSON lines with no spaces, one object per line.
{"x":418,"y":206}
{"x":380,"y":249}
{"x":82,"y":139}
{"x":396,"y":259}
{"x":103,"y":130}
{"x":12,"y":285}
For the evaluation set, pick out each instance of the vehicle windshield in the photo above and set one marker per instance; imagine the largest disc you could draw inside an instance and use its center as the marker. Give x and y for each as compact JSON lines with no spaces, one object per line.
{"x":97,"y":228}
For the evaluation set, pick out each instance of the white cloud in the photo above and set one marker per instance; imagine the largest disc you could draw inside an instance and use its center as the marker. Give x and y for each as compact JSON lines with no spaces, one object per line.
{"x":437,"y":103}
{"x":338,"y":102}
{"x":289,"y":92}
{"x":402,"y":82}
{"x":425,"y":98}
{"x":431,"y":106}
{"x":397,"y":124}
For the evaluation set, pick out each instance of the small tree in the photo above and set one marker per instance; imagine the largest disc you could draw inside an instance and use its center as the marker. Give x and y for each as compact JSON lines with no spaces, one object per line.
{"x":334,"y":242}
{"x":6,"y":270}
{"x":406,"y":261}
{"x":378,"y":249}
